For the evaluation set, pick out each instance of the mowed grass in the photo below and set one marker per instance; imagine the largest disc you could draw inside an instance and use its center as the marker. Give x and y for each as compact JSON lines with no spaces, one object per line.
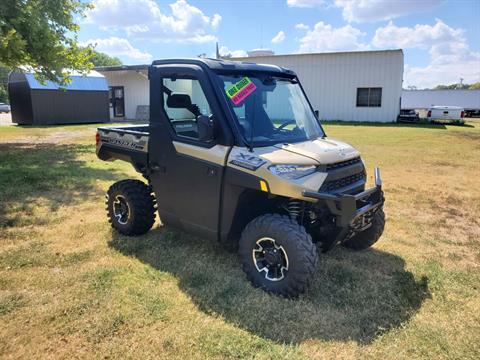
{"x":71,"y":287}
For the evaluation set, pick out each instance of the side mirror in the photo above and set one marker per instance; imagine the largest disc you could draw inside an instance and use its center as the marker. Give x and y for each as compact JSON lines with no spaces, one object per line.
{"x":179,"y":101}
{"x":317,"y":114}
{"x":205,"y":128}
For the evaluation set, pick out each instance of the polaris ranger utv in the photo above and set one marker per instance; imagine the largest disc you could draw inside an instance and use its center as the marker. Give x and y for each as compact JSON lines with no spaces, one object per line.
{"x":235,"y":152}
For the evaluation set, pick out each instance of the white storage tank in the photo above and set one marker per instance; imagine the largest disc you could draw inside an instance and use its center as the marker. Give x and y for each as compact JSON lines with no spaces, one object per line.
{"x":260,"y":52}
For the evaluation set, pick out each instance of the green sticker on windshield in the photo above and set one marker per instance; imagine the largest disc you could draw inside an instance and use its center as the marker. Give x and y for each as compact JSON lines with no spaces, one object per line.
{"x":239,"y":92}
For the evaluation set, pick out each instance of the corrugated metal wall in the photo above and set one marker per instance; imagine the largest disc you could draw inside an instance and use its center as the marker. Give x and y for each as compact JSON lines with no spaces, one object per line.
{"x":331,"y":81}
{"x":69,"y":107}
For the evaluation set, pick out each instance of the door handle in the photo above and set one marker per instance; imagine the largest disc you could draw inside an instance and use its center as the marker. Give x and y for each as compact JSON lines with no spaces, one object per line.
{"x":157,"y":167}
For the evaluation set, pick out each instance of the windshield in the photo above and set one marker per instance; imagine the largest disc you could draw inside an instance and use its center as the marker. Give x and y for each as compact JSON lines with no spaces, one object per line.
{"x":271,"y":110}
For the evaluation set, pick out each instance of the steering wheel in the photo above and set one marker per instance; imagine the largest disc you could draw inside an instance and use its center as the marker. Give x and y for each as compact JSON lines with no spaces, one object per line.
{"x":281,"y":127}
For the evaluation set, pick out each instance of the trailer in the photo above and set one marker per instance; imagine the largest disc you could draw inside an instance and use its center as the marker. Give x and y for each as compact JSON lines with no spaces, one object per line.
{"x":469,"y":100}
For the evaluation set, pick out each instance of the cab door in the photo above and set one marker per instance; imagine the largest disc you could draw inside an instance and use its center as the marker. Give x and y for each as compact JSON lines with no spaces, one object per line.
{"x":186,"y":172}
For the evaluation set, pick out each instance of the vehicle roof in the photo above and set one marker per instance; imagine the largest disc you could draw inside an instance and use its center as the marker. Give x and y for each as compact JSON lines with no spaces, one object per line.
{"x":447,"y":107}
{"x":222,"y":65}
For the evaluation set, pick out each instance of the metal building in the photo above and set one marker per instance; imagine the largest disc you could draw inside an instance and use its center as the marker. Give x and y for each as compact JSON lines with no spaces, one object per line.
{"x":129,"y":91}
{"x":348,"y":86}
{"x":84,"y":100}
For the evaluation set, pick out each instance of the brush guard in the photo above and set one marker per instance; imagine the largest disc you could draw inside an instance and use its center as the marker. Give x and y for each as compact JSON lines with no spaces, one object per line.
{"x":350,"y":211}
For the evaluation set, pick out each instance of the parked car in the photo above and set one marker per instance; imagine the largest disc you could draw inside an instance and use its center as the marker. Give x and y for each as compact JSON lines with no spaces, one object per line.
{"x":4,"y":108}
{"x":453,"y":114}
{"x":408,"y":115}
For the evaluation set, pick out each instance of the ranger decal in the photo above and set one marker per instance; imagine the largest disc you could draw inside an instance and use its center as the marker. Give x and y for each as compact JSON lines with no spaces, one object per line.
{"x":123,"y":143}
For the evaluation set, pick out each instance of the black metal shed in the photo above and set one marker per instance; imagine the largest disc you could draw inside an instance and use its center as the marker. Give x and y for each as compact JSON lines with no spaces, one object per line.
{"x":84,"y":100}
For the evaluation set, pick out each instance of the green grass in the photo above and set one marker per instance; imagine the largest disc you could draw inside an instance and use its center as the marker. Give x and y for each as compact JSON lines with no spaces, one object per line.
{"x":71,"y":287}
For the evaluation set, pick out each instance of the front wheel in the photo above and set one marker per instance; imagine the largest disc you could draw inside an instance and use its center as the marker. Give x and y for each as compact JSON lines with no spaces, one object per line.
{"x":363,"y":240}
{"x":278,"y":255}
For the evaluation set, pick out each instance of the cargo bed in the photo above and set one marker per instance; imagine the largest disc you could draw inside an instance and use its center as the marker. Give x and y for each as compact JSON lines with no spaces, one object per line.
{"x":128,"y":143}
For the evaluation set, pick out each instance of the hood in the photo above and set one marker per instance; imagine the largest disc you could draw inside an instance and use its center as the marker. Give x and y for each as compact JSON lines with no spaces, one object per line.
{"x":323,"y":151}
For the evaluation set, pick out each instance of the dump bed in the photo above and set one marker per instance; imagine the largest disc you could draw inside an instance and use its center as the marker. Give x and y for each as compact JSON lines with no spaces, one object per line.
{"x":128,"y":143}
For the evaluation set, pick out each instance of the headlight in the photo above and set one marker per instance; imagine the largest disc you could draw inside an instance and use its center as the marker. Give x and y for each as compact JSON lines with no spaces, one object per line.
{"x":292,"y":172}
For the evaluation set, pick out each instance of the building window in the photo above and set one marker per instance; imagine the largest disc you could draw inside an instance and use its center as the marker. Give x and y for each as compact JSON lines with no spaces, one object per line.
{"x":369,"y":97}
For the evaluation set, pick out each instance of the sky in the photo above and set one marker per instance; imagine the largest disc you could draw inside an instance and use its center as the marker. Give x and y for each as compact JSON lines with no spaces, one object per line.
{"x":440,"y":38}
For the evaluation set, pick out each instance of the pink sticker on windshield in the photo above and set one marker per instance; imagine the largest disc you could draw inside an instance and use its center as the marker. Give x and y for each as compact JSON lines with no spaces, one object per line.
{"x":240,"y":91}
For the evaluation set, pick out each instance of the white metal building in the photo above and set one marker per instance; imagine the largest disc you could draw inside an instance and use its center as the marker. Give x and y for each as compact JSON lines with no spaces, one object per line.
{"x":129,"y":90}
{"x":348,"y":86}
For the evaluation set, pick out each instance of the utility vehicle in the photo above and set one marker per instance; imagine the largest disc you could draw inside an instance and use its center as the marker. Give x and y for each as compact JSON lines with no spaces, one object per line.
{"x":408,"y":116}
{"x":4,"y":108}
{"x":453,"y":114}
{"x":234,"y":151}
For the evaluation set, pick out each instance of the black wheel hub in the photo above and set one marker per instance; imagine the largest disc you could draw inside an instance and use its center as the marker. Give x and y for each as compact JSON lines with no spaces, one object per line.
{"x":270,"y":259}
{"x":273,"y":258}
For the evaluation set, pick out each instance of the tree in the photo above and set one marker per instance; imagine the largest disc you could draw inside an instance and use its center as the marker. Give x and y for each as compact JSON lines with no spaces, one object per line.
{"x":42,"y":35}
{"x":102,"y":59}
{"x":4,"y":84}
{"x":475,"y":86}
{"x":452,"y":87}
{"x":3,"y":94}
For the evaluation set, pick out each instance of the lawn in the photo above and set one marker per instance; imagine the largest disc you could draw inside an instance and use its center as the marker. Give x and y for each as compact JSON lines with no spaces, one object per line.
{"x":71,"y":287}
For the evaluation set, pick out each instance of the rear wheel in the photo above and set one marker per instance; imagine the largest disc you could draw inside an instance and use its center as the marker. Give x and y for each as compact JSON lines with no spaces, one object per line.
{"x":131,"y":207}
{"x":365,"y":239}
{"x":278,"y":255}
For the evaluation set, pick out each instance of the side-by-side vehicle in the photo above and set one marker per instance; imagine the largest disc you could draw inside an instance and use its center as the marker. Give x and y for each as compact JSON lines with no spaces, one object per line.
{"x":234,"y":151}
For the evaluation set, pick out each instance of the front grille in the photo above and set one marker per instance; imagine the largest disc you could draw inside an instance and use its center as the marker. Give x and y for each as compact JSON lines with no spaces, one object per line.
{"x":332,"y":185}
{"x":343,"y":164}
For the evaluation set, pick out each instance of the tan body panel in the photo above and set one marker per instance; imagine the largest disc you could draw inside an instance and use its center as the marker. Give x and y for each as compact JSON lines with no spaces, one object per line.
{"x":216,"y":154}
{"x":316,"y":152}
{"x":307,"y":153}
{"x":276,"y":184}
{"x":325,"y":151}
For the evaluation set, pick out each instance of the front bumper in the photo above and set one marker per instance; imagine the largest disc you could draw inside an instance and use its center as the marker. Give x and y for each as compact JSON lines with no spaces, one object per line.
{"x":347,"y":208}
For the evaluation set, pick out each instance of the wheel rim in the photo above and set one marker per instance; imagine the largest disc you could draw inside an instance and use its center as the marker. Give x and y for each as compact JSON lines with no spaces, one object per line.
{"x":270,"y":259}
{"x":121,"y":210}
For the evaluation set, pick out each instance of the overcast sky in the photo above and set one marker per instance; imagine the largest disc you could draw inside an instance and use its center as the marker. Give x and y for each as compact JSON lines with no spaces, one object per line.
{"x":440,"y":39}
